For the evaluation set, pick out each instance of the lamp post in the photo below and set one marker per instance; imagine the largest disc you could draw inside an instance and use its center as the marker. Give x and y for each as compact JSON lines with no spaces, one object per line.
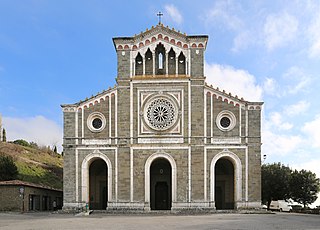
{"x":21,"y":191}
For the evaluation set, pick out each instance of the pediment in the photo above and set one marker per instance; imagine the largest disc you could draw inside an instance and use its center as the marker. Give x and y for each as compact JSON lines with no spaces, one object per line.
{"x":162,"y":34}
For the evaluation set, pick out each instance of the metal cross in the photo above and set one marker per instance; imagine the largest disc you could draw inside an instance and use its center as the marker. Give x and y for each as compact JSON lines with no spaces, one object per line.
{"x":159,"y":15}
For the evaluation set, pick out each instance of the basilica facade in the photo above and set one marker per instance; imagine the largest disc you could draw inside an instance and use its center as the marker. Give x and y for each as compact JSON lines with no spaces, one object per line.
{"x":162,"y":139}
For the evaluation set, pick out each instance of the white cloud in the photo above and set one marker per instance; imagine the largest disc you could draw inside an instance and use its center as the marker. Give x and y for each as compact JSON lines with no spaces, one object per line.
{"x":174,"y":13}
{"x":314,"y":36}
{"x":275,"y":144}
{"x":279,"y":30}
{"x":223,"y":13}
{"x":237,"y":81}
{"x":277,"y":122}
{"x":298,"y":108}
{"x":297,"y":78}
{"x":270,"y":86}
{"x":312,"y":129}
{"x":241,"y":41}
{"x":294,"y":80}
{"x":37,"y":129}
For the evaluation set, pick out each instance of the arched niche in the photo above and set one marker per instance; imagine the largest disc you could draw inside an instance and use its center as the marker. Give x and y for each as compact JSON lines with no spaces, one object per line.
{"x":160,"y":60}
{"x":181,"y":64}
{"x":139,"y":65}
{"x":148,"y":63}
{"x":171,"y":62}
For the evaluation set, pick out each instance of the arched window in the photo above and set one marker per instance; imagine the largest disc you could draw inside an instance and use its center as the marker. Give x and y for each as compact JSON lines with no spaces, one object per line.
{"x":139,"y":65}
{"x":172,"y":62}
{"x":160,"y":59}
{"x":181,"y":64}
{"x":148,"y":63}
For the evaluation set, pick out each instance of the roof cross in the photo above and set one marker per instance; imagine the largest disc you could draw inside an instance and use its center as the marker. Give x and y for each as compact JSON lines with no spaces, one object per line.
{"x":159,"y":15}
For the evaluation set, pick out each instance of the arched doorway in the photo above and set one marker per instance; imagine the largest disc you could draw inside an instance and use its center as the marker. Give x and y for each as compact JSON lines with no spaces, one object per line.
{"x":160,"y":184}
{"x":98,"y":186}
{"x":224,"y":184}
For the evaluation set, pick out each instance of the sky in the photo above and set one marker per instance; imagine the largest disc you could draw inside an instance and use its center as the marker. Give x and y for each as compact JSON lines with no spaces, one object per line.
{"x":60,"y":52}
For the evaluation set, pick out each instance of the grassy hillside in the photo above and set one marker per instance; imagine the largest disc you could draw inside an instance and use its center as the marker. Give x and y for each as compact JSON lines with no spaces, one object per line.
{"x":40,"y":166}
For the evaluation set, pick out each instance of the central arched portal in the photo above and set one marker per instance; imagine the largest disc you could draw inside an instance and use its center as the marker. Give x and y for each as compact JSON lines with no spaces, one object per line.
{"x":224,"y":184}
{"x":160,"y":184}
{"x":98,"y":186}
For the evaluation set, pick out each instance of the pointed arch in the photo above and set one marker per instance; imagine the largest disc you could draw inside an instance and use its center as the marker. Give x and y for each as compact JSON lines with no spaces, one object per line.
{"x":172,"y":62}
{"x":181,"y":64}
{"x":139,"y":64}
{"x":160,"y":59}
{"x":148,"y":62}
{"x":85,"y":174}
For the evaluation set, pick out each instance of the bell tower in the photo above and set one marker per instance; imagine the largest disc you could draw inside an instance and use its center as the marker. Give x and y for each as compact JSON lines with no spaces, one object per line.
{"x":160,"y":51}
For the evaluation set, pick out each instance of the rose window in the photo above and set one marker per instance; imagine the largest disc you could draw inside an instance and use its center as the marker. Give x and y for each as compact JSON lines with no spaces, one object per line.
{"x":160,"y":114}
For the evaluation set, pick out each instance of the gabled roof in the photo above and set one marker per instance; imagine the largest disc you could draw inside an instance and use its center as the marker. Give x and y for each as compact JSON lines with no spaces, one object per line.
{"x":94,"y":99}
{"x":160,"y":32}
{"x":229,"y":98}
{"x":29,"y":184}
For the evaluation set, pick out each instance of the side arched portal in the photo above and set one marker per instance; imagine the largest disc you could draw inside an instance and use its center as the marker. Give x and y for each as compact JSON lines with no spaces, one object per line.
{"x":224,"y":184}
{"x":96,"y":175}
{"x":98,"y":185}
{"x":160,"y":185}
{"x":226,"y":180}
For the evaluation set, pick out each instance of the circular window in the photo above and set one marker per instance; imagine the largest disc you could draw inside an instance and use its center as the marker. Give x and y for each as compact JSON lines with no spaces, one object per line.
{"x":226,"y":120}
{"x":160,"y":113}
{"x":96,"y":122}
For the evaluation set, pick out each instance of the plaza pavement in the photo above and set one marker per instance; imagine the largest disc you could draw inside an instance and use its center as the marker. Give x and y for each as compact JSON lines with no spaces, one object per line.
{"x":45,"y":220}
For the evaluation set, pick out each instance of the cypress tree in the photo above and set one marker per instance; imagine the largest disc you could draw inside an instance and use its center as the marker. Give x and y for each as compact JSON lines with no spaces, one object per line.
{"x":4,"y":135}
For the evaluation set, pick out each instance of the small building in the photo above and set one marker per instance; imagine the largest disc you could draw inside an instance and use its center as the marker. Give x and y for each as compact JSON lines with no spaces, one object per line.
{"x":16,"y":195}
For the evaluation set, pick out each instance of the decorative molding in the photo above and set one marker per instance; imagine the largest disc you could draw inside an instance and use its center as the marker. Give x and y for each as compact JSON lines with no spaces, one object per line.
{"x":169,"y":140}
{"x":92,"y":117}
{"x":227,"y":115}
{"x":231,"y":140}
{"x":96,"y":141}
{"x":67,"y":109}
{"x":228,"y":98}
{"x":146,"y":97}
{"x":101,"y":97}
{"x":160,"y":154}
{"x":163,"y":34}
{"x":85,"y":174}
{"x":237,"y":174}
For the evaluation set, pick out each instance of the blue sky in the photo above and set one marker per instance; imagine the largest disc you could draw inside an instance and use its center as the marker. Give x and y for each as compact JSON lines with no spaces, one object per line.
{"x":57,"y":52}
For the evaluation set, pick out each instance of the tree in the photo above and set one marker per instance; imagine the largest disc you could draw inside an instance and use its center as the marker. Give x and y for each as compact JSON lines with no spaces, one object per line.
{"x":275,"y":182}
{"x":8,"y":169}
{"x":304,"y":186}
{"x":4,"y":135}
{"x":22,"y":143}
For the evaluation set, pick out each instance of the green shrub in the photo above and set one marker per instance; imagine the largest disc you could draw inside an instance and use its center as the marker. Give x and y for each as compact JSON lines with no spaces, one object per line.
{"x":8,"y":169}
{"x":22,"y":142}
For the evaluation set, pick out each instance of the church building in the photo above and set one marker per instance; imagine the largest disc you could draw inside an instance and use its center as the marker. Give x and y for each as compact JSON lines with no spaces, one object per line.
{"x":162,"y":139}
